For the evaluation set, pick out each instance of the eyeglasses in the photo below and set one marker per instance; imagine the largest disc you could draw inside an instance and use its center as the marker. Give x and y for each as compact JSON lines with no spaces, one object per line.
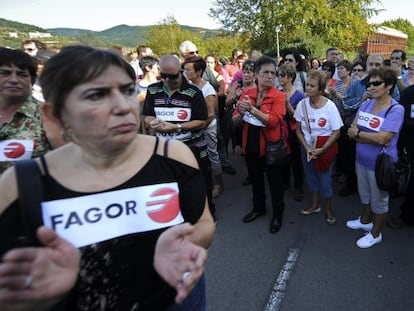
{"x":193,"y":53}
{"x":281,"y":74}
{"x":395,"y":58}
{"x":169,"y":76}
{"x":357,"y":70}
{"x":289,"y":60}
{"x":326,"y":69}
{"x":375,"y":83}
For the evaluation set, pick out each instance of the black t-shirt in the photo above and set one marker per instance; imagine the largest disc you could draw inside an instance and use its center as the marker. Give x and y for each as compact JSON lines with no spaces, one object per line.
{"x":407,"y":132}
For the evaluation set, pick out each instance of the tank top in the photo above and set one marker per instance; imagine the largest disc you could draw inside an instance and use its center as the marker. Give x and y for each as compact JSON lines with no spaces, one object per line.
{"x":118,"y":274}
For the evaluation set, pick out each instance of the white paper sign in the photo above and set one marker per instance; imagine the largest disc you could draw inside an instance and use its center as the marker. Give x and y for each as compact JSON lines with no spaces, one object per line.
{"x":370,"y":121}
{"x":16,"y":150}
{"x":251,"y":119}
{"x":98,"y":217}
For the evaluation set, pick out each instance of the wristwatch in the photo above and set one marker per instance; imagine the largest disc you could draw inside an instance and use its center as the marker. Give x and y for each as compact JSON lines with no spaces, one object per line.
{"x":179,"y":127}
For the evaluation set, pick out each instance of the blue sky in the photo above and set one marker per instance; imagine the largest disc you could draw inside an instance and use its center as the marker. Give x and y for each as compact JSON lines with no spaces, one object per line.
{"x":103,"y":14}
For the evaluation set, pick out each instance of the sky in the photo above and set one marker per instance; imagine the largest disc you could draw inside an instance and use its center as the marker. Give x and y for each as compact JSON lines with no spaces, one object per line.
{"x":104,"y":14}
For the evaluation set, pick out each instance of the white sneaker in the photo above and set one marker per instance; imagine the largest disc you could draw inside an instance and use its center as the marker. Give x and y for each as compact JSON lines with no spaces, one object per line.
{"x":368,"y":240}
{"x":357,"y":224}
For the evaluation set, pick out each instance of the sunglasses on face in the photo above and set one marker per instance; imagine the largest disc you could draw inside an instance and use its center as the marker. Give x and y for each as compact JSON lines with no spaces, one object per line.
{"x":193,"y":53}
{"x":289,"y":60}
{"x":375,"y":83}
{"x":169,"y":76}
{"x":29,"y":49}
{"x":357,"y":70}
{"x":281,"y":74}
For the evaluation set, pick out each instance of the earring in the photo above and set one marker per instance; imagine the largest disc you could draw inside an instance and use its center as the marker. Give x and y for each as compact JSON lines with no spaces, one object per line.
{"x":67,"y":134}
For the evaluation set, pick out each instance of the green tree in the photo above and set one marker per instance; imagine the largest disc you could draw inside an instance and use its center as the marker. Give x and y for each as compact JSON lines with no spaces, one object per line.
{"x":305,"y":25}
{"x":166,"y":37}
{"x":223,"y":44}
{"x":405,"y":26}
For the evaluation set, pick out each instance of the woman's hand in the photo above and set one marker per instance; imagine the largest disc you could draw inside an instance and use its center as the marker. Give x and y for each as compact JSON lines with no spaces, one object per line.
{"x":314,"y":153}
{"x":244,"y":105}
{"x":179,"y":261}
{"x":39,"y":274}
{"x":352,"y":132}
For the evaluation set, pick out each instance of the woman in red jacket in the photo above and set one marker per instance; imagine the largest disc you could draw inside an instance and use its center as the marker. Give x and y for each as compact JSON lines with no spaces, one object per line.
{"x":261,"y":110}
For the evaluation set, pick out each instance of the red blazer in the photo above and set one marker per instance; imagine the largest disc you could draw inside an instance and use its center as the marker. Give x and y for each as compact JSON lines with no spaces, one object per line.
{"x":273,"y":104}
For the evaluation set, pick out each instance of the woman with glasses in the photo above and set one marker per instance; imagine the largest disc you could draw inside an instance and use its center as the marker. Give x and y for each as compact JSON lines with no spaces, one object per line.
{"x":287,"y":75}
{"x":377,"y":124}
{"x":358,"y":70}
{"x":261,"y":110}
{"x":341,"y":86}
{"x":295,"y":59}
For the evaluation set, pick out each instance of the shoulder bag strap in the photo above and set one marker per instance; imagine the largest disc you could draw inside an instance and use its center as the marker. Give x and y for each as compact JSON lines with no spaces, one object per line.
{"x":305,"y":112}
{"x":386,"y":112}
{"x":30,"y":191}
{"x":166,"y":148}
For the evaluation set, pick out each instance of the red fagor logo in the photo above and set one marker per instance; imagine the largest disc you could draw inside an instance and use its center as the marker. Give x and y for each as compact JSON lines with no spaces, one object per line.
{"x":168,"y":205}
{"x":322,"y":122}
{"x":182,"y":114}
{"x":374,"y":122}
{"x":14,"y":150}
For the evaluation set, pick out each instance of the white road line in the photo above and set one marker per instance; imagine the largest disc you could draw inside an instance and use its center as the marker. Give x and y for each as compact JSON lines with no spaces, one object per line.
{"x":279,"y":288}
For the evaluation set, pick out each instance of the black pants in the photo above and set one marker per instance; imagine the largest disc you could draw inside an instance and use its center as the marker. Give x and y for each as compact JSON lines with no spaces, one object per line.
{"x":348,"y":151}
{"x":407,"y":208}
{"x":257,"y":168}
{"x":294,"y":163}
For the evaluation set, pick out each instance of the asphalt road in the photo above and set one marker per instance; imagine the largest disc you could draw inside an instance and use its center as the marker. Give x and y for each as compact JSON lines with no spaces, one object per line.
{"x":308,"y":265}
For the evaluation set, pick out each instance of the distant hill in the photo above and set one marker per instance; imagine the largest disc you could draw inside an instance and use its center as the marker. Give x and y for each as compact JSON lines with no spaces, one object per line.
{"x":124,"y":35}
{"x":7,"y":25}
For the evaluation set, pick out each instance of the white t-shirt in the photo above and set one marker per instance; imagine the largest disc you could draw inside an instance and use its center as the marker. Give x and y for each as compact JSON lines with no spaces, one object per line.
{"x":208,"y":90}
{"x":323,"y":121}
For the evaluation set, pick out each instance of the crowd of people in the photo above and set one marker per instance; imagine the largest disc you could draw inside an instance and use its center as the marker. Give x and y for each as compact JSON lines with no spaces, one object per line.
{"x":152,"y":133}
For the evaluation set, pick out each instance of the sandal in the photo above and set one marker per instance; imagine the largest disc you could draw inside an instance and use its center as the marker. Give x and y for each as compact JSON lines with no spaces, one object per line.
{"x":331,"y":221}
{"x":310,"y":211}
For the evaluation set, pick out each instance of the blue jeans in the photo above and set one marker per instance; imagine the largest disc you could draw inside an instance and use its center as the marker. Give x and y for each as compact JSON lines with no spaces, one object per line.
{"x":195,"y":301}
{"x":318,"y":181}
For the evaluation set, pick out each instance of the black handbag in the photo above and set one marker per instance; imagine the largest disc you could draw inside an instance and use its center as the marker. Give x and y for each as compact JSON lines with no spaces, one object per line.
{"x":390,"y":176}
{"x":275,"y":151}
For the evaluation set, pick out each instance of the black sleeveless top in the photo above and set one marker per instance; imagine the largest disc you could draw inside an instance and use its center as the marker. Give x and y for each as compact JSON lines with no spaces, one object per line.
{"x":118,"y":274}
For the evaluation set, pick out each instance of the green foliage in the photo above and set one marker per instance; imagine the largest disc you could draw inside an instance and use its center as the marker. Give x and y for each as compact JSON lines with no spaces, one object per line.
{"x":406,"y":27}
{"x":165,"y":37}
{"x":311,"y":24}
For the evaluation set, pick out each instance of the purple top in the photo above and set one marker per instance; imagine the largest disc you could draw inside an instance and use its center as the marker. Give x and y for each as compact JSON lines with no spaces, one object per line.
{"x":366,"y":153}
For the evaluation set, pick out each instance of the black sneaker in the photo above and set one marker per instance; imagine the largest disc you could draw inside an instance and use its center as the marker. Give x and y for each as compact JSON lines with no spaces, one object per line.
{"x":229,"y":170}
